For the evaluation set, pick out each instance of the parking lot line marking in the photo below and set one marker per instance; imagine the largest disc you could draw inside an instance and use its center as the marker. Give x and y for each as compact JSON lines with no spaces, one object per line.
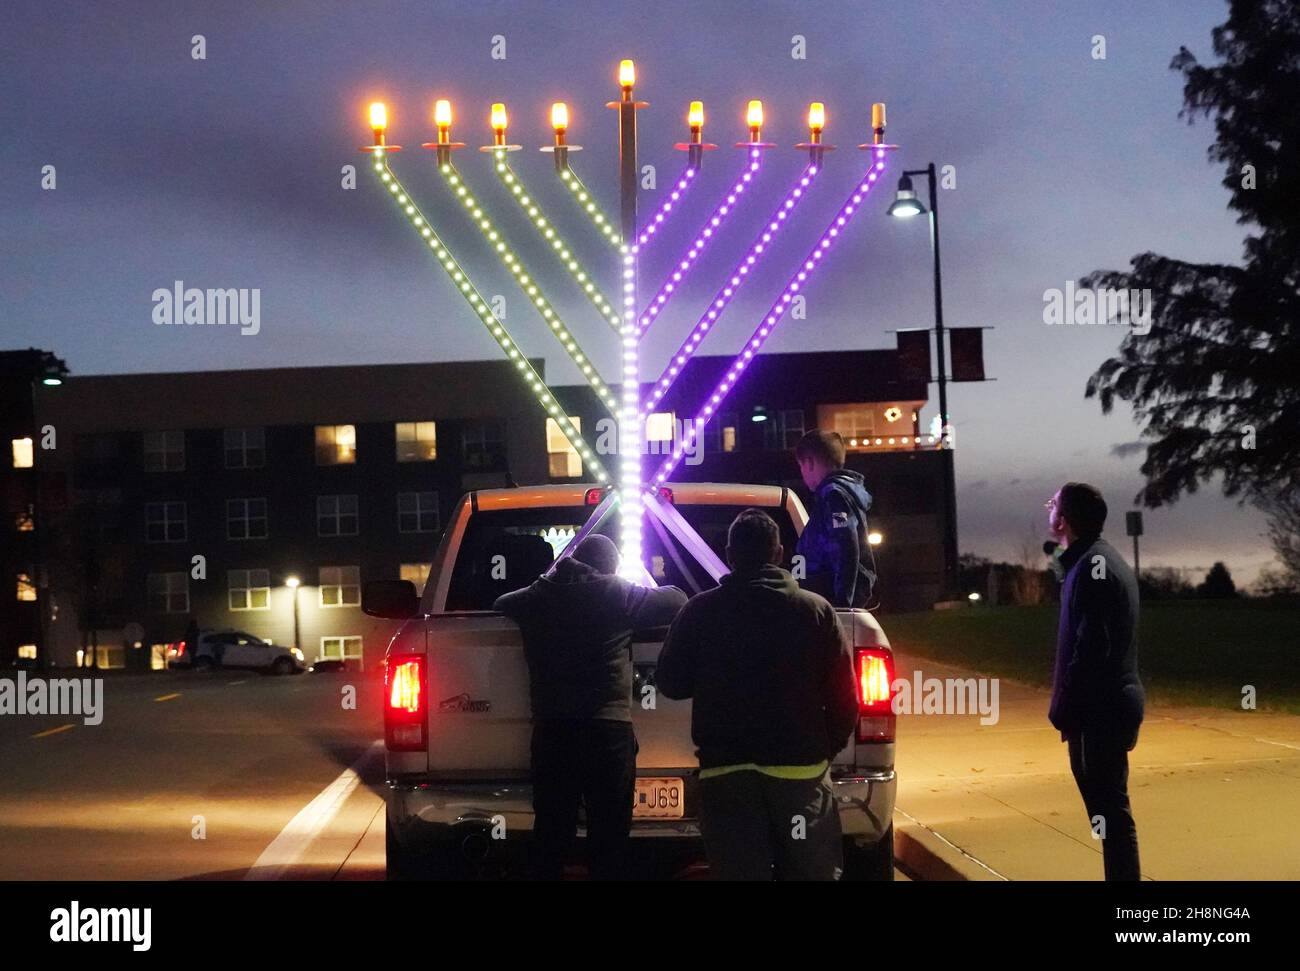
{"x":54,"y":731}
{"x":174,"y":694}
{"x":287,"y":848}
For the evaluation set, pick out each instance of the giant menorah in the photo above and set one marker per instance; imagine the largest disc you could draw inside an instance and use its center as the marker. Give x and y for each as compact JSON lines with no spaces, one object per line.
{"x":636,"y":496}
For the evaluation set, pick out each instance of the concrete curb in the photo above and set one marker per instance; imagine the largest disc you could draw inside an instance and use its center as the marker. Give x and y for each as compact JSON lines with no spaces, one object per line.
{"x":923,"y":852}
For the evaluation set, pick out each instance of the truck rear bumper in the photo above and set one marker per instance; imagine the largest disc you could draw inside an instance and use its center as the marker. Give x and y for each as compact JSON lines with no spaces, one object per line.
{"x":421,"y":814}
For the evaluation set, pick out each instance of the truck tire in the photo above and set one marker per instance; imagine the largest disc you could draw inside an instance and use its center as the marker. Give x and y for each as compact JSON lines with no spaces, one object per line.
{"x":871,"y":861}
{"x":282,"y":666}
{"x":404,"y":865}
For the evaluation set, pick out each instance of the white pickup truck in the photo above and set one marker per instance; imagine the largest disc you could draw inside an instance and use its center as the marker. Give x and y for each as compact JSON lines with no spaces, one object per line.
{"x":456,"y":705}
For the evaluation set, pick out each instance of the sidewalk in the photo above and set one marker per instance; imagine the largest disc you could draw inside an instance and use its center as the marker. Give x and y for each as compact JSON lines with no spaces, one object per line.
{"x":1216,"y":794}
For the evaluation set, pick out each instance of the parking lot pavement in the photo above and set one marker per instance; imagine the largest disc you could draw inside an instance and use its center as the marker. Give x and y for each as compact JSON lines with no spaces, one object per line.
{"x":1215,"y":793}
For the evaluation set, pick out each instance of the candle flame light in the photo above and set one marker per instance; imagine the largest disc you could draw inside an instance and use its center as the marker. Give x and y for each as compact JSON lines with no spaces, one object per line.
{"x":816,"y":120}
{"x":754,"y":119}
{"x":695,"y":118}
{"x":378,"y":120}
{"x":626,"y":75}
{"x":560,"y":116}
{"x":499,"y":122}
{"x":442,"y":120}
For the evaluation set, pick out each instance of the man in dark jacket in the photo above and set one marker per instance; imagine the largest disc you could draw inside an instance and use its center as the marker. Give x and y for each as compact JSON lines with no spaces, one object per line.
{"x":774,"y":701}
{"x":837,"y":559}
{"x":1097,"y":696}
{"x":577,"y":626}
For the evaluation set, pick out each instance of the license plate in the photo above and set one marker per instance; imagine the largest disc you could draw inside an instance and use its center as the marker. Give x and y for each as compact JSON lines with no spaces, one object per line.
{"x":659,"y":799}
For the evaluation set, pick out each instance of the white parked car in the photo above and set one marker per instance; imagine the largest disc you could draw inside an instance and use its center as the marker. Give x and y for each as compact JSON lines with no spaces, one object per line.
{"x":235,"y":649}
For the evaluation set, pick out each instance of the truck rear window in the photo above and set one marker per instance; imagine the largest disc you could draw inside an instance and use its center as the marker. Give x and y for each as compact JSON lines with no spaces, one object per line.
{"x":507,"y":549}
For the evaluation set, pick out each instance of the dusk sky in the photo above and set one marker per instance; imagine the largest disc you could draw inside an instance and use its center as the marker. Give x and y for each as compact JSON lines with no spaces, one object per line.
{"x":226,"y":172}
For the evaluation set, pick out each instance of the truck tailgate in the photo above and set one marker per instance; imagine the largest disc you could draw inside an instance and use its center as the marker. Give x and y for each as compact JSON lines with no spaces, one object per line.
{"x":479,"y":712}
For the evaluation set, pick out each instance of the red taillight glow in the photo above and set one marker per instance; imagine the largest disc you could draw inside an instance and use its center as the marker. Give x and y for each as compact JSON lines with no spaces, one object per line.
{"x":404,"y":690}
{"x":874,"y":667}
{"x":406,"y":703}
{"x":180,"y":649}
{"x":594,"y":496}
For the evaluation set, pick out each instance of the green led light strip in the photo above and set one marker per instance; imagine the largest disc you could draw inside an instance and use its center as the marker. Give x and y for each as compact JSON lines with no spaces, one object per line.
{"x":588,"y":202}
{"x":530,"y":288}
{"x":548,"y":233}
{"x":488,"y":319}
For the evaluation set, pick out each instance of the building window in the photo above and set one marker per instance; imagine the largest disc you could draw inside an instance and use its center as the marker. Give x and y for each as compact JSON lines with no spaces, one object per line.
{"x":245,"y":448}
{"x":340,"y":648}
{"x":27,"y":652}
{"x":417,"y":441}
{"x":336,"y":516}
{"x":249,"y":589}
{"x":164,"y":451}
{"x":783,"y":430}
{"x":169,"y":593}
{"x":23,"y":457}
{"x":26,"y":589}
{"x":25,"y":521}
{"x":417,"y":573}
{"x":245,"y":519}
{"x":562,"y":457}
{"x":336,"y":444}
{"x":340,"y":586}
{"x":851,"y":421}
{"x":720,"y":434}
{"x":417,"y":512}
{"x":164,"y":522}
{"x":484,"y":445}
{"x":660,"y":429}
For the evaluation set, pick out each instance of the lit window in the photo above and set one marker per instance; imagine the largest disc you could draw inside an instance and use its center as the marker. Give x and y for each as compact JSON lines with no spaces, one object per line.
{"x":164,"y":451}
{"x":417,"y":512}
{"x":249,"y":589}
{"x":245,"y":519}
{"x":22,"y":453}
{"x":659,"y":427}
{"x":340,"y":648}
{"x":417,"y":441}
{"x":340,"y":586}
{"x":336,"y":444}
{"x":164,"y":522}
{"x":417,"y":573}
{"x":562,"y":458}
{"x":27,"y":652}
{"x":25,"y":521}
{"x":245,"y":448}
{"x":26,"y":589}
{"x":169,"y":593}
{"x":336,"y":516}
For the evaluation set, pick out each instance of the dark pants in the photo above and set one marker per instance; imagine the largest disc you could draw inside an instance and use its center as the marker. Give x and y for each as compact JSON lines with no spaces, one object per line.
{"x":1099,"y":761}
{"x":756,"y":827}
{"x":590,"y":762}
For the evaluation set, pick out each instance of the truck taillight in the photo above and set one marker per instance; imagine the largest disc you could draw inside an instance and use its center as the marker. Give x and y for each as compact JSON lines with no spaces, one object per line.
{"x":874,"y":667}
{"x":406,"y":703}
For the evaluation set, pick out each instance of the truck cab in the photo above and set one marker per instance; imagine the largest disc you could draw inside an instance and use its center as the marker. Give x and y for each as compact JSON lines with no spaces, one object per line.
{"x":456,"y":707}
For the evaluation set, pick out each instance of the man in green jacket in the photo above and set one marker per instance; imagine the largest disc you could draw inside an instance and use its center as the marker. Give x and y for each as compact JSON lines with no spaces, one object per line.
{"x":774,"y":701}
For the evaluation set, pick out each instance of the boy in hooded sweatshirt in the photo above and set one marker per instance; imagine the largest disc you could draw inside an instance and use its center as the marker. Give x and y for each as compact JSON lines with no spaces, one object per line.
{"x":577,"y":625}
{"x":837,"y":560}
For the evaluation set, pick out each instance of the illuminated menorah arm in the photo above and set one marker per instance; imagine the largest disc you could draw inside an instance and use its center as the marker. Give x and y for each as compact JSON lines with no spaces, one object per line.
{"x":526,"y":282}
{"x":762,"y":242}
{"x":380,"y":152}
{"x":782,"y":303}
{"x":713,"y":223}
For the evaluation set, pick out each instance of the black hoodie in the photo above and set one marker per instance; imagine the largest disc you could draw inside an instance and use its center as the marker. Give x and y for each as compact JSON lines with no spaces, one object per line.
{"x":769,"y":671}
{"x":577,"y":626}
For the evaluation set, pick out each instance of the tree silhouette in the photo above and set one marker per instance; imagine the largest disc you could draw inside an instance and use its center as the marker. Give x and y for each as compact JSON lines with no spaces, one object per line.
{"x":1215,"y":384}
{"x":1217,"y":584}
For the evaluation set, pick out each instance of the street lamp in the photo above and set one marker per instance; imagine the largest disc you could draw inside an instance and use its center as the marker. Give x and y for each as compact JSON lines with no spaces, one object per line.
{"x":904,"y":206}
{"x":293,"y":583}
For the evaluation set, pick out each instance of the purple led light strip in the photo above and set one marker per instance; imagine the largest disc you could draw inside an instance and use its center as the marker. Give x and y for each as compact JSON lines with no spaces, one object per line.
{"x":723,"y":297}
{"x":652,"y":225}
{"x":772,"y":317}
{"x":711,"y":226}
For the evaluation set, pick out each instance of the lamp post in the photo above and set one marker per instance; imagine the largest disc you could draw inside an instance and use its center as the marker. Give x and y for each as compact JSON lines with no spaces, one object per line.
{"x":50,"y":375}
{"x":292,"y":583}
{"x":905,"y":205}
